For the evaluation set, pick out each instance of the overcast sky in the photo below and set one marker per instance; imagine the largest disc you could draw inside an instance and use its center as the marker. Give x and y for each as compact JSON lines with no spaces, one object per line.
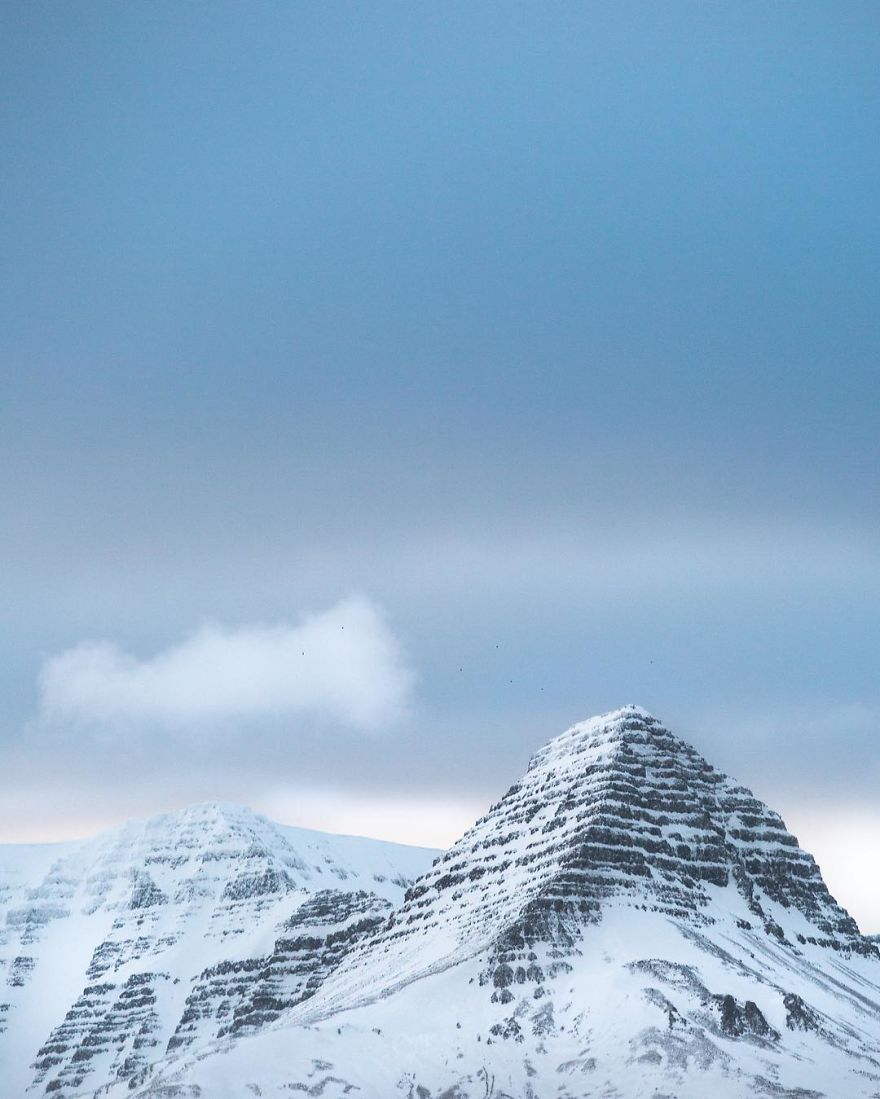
{"x":386,"y":387}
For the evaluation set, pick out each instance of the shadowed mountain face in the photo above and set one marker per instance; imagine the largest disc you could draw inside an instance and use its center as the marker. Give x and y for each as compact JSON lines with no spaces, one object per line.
{"x":626,"y":921}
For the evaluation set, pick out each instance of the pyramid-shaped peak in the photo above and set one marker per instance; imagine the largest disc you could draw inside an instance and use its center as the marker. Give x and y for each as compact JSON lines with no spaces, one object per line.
{"x":628,"y":717}
{"x":624,"y":713}
{"x":616,"y":812}
{"x":602,"y":734}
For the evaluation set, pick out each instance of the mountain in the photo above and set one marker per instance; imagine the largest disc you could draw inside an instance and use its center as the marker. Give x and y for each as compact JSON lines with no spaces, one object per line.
{"x":120,"y":951}
{"x":625,"y":922}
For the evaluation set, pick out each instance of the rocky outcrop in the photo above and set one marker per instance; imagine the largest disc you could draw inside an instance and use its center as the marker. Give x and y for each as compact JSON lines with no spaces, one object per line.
{"x":742,"y":1020}
{"x":798,"y":1016}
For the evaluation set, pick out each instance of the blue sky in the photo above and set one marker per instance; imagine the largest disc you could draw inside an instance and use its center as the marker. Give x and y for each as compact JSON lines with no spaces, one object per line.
{"x":546,"y":335}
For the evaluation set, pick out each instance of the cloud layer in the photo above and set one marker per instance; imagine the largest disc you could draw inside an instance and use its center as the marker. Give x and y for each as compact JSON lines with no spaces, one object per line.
{"x":343,"y":664}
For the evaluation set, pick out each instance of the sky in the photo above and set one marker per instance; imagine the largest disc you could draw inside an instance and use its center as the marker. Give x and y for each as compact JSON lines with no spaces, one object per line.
{"x":384,"y":388}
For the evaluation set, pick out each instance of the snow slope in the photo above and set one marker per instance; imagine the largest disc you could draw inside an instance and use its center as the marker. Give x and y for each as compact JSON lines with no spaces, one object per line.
{"x":626,"y":921}
{"x":171,"y":931}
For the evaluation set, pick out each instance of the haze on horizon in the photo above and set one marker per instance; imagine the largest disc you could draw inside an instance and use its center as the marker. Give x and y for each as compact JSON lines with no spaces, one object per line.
{"x":385,"y":389}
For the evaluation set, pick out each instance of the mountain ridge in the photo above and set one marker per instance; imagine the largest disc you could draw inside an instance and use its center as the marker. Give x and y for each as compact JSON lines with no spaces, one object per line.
{"x":625,"y":921}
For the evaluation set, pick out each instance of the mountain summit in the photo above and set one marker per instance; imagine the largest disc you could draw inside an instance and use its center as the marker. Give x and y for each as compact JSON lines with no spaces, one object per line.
{"x":625,"y":922}
{"x":119,"y":951}
{"x":617,"y":812}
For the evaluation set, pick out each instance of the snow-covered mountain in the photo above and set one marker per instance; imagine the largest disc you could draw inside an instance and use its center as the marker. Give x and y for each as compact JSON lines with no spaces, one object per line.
{"x":625,"y":922}
{"x":118,"y":951}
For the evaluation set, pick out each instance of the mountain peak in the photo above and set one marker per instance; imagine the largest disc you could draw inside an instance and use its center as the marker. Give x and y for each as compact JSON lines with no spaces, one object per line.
{"x":173,"y":930}
{"x":209,"y":815}
{"x":616,"y":812}
{"x":606,"y":730}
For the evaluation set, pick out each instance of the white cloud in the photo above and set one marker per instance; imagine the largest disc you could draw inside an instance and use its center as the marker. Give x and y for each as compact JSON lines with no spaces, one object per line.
{"x":343,"y":664}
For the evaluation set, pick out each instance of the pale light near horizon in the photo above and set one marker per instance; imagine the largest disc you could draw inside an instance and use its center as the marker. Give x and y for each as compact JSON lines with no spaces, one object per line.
{"x":845,"y":842}
{"x":418,"y":822}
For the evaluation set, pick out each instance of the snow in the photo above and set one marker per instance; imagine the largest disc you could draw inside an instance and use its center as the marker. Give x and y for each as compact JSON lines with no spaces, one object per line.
{"x":610,"y":1031}
{"x":626,"y":921}
{"x":67,"y":909}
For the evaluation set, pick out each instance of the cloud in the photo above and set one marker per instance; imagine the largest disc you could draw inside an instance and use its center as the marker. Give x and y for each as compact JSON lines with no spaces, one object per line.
{"x":343,"y":664}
